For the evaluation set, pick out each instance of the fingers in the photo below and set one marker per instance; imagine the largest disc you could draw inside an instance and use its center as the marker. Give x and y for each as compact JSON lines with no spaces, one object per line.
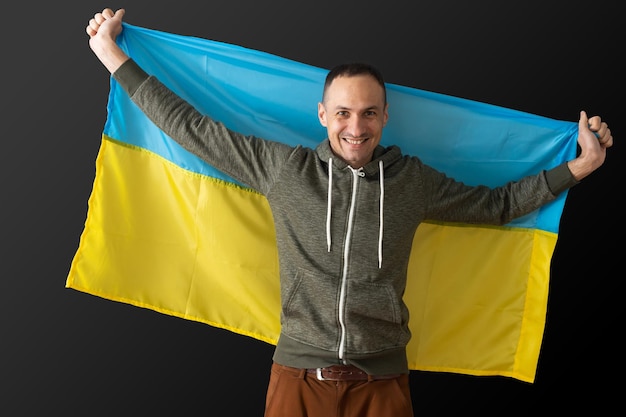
{"x":594,"y":123}
{"x":92,"y":27}
{"x":602,"y":131}
{"x":100,"y":17}
{"x":94,"y":23}
{"x":583,"y":121}
{"x":599,"y":128}
{"x":606,"y":138}
{"x":107,"y":13}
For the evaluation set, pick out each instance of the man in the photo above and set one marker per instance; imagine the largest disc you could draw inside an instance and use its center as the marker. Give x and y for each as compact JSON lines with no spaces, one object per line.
{"x":345,"y":215}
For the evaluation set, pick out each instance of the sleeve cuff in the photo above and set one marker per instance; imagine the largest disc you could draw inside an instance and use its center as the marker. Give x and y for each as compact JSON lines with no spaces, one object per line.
{"x":130,"y":76}
{"x":560,"y":178}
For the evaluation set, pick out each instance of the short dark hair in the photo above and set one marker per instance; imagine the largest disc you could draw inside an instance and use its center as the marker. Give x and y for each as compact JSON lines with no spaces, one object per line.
{"x":352,"y":69}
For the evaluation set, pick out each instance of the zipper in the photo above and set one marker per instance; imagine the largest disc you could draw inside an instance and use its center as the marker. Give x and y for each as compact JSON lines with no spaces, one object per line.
{"x":356,"y":173}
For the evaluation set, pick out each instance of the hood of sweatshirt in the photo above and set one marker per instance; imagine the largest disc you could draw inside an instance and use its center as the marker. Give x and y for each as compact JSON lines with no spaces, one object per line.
{"x":383,"y":157}
{"x":386,"y":155}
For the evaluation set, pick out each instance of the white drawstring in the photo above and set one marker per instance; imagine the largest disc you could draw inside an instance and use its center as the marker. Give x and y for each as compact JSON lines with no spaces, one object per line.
{"x":330,"y":201}
{"x":382,"y":198}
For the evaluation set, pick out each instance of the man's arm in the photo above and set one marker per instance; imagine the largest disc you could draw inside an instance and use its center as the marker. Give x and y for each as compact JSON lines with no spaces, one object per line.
{"x":594,"y":136}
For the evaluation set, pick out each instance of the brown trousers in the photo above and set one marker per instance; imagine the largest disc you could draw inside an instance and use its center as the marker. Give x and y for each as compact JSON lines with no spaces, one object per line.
{"x":295,"y":393}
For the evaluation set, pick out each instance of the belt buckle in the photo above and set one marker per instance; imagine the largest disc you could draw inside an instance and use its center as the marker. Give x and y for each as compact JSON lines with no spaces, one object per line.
{"x":318,"y":374}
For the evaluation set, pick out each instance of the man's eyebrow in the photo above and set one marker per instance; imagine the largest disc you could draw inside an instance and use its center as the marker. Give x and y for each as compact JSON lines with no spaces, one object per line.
{"x":372,"y":107}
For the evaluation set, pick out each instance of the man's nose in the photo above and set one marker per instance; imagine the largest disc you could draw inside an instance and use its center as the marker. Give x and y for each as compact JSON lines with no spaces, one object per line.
{"x":357,"y":126}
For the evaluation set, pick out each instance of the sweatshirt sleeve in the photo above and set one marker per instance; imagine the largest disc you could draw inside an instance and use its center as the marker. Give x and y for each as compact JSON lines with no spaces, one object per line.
{"x":251,"y":160}
{"x":130,"y":76}
{"x":560,"y":178}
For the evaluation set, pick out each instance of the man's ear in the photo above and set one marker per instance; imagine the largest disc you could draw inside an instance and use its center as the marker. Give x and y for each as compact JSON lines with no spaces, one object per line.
{"x":386,"y":114}
{"x":321,"y":114}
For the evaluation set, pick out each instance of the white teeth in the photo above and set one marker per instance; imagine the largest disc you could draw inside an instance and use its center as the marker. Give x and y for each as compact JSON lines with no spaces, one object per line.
{"x":354,"y":142}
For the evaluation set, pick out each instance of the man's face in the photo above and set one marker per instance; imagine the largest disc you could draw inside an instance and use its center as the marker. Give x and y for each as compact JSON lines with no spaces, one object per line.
{"x":354,"y":114}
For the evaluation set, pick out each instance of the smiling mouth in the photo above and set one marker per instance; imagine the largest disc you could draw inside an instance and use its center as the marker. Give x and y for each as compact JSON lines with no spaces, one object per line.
{"x":355,"y":141}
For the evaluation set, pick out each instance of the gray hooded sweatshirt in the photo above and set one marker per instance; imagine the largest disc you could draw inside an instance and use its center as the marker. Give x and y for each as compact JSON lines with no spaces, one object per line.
{"x":344,"y":235}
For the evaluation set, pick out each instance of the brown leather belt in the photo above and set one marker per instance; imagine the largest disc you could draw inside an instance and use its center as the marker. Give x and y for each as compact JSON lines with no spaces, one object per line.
{"x":346,"y":373}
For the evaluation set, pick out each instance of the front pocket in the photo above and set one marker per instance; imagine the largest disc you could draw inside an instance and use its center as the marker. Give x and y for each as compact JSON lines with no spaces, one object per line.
{"x":310,"y":314}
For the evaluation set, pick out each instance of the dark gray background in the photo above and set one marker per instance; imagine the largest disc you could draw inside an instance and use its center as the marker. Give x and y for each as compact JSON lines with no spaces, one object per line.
{"x":72,"y":354}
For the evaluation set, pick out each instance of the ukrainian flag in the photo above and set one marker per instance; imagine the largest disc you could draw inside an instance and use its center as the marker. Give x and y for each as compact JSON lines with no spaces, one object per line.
{"x":168,"y":232}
